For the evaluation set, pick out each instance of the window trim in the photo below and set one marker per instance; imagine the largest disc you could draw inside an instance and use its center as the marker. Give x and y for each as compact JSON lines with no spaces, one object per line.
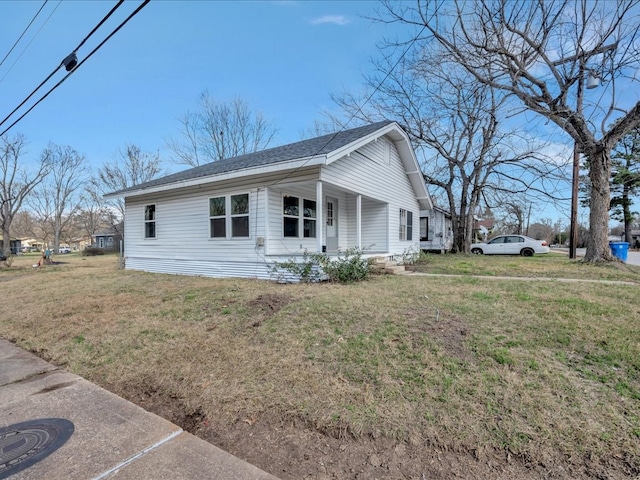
{"x":300,"y":218}
{"x":153,"y":221}
{"x":229,"y":216}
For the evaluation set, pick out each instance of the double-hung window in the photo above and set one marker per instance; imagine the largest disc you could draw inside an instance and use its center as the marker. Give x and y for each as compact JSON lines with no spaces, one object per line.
{"x":150,"y":221}
{"x":229,"y":216}
{"x":406,"y":225}
{"x":299,"y":213}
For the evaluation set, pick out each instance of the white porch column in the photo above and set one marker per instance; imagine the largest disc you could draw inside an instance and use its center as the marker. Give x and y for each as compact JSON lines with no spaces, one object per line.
{"x":319,"y":217}
{"x":359,"y":222}
{"x":266,"y":219}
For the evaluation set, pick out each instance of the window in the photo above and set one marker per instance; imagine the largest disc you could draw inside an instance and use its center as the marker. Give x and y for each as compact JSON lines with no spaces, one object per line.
{"x":240,"y":215}
{"x":229,"y":213}
{"x":424,"y":229}
{"x":150,"y":221}
{"x":406,"y":225}
{"x":294,"y":217}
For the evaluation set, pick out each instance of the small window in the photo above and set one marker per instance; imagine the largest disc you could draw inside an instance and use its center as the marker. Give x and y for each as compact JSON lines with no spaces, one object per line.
{"x":294,"y":217}
{"x":150,"y":221}
{"x":406,"y":225}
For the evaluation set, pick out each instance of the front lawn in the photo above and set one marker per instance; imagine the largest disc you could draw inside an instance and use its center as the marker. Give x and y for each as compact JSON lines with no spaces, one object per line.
{"x":546,"y":374}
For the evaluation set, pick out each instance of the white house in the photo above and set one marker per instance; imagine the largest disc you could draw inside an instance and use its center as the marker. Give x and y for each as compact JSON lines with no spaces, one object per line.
{"x":235,"y":217}
{"x":436,"y":234}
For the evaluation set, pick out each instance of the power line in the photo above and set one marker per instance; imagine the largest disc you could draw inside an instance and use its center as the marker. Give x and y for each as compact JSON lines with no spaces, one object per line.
{"x":30,"y":41}
{"x":24,"y":31}
{"x":69,"y":65}
{"x":126,"y":20}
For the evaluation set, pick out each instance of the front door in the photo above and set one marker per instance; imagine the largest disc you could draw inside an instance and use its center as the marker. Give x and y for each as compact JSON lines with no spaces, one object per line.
{"x":332,"y":225}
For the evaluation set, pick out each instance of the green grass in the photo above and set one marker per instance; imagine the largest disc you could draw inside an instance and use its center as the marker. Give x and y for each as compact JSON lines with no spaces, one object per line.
{"x":553,"y":265}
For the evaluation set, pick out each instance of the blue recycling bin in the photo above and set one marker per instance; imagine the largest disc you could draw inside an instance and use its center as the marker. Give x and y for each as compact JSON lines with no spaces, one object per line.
{"x":619,"y":250}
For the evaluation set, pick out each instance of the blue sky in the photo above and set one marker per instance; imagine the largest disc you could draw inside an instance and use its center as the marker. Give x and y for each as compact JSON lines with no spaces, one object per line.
{"x":284,"y":58}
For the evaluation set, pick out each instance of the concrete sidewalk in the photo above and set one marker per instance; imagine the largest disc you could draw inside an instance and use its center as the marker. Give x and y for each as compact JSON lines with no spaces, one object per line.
{"x":112,"y":438}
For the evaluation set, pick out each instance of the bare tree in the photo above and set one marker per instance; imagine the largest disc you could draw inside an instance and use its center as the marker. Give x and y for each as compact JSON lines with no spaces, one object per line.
{"x":132,"y":167}
{"x":539,"y":52}
{"x":58,"y":198}
{"x":220,"y":130}
{"x":458,"y":126}
{"x":93,"y":214}
{"x":17,"y":183}
{"x":545,"y":229}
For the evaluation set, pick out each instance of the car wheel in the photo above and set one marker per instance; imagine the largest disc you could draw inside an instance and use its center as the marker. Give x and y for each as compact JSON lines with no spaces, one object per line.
{"x":527,"y":252}
{"x":476,"y":251}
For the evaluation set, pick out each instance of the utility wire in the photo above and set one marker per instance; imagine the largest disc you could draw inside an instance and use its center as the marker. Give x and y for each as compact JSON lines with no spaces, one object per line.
{"x":30,"y":41}
{"x":120,"y":2}
{"x":126,"y":20}
{"x":24,"y":31}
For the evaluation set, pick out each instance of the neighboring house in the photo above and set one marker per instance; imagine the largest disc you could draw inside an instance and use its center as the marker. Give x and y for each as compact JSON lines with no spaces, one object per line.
{"x":108,"y":239}
{"x":436,"y":234}
{"x":482,"y":228}
{"x":15,"y":245}
{"x":79,"y":243}
{"x":234,"y":218}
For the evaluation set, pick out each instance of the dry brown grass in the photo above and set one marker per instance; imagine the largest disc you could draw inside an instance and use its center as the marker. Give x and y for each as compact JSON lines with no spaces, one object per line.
{"x":541,"y":370}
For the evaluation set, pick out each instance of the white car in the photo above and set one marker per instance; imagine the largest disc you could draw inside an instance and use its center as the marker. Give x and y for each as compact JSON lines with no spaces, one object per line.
{"x":510,"y":245}
{"x":64,"y":250}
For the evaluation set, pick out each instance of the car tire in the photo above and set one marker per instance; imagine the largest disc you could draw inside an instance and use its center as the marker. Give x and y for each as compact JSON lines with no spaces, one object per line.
{"x":526,"y":252}
{"x":476,"y":251}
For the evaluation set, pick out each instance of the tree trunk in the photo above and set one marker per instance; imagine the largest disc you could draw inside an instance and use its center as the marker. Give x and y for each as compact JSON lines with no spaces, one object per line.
{"x":6,"y":241}
{"x":598,"y":239}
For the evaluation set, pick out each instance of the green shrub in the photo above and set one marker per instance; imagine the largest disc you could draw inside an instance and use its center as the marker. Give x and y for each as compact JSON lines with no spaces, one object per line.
{"x":91,"y":251}
{"x":347,"y":267}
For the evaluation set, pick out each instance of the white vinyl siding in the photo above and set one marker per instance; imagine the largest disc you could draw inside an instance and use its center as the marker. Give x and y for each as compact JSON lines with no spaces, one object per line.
{"x":364,"y":171}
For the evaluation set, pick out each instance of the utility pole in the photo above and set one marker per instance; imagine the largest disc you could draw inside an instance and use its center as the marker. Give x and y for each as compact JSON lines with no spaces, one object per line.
{"x":593,"y":82}
{"x":573,"y":231}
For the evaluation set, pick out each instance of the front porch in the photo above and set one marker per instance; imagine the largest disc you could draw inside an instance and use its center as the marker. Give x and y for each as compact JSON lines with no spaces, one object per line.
{"x":320,"y":217}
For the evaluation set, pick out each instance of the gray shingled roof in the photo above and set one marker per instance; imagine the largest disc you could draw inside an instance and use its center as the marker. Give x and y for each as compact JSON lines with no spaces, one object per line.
{"x":304,"y":149}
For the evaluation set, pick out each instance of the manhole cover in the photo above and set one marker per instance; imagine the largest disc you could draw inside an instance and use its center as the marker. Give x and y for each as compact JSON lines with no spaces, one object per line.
{"x":26,"y":443}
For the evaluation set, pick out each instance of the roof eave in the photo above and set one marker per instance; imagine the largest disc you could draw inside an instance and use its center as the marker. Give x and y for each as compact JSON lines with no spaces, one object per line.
{"x":270,"y":168}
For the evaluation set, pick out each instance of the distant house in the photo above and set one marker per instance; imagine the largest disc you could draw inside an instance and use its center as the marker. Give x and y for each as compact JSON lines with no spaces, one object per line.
{"x":436,"y":234}
{"x":108,"y":239}
{"x":15,"y":244}
{"x":79,"y":243}
{"x":234,"y":218}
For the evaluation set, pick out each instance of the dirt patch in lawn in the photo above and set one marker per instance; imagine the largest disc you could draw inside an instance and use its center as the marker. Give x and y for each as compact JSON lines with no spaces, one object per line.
{"x":293,"y":449}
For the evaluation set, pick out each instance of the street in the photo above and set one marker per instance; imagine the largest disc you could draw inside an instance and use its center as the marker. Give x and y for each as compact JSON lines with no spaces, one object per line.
{"x":633,"y":257}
